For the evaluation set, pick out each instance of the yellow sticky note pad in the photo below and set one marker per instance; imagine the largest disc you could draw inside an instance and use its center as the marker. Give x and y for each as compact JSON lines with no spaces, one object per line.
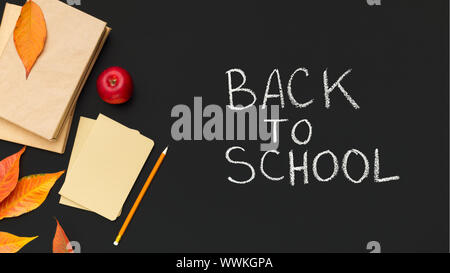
{"x":106,"y":160}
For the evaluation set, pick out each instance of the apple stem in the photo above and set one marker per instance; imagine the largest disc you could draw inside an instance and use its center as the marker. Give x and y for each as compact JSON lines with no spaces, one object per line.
{"x":113,"y":81}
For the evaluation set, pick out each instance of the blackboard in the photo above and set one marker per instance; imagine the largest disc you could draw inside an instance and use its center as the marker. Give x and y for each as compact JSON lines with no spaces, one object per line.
{"x":177,"y":50}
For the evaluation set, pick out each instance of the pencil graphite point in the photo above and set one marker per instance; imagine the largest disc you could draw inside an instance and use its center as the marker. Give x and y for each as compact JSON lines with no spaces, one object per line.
{"x":116,"y":243}
{"x":165,"y":151}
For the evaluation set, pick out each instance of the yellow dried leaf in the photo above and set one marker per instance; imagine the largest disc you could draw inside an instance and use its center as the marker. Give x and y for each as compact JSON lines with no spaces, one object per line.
{"x":29,"y":194}
{"x":30,"y":34}
{"x":10,"y":243}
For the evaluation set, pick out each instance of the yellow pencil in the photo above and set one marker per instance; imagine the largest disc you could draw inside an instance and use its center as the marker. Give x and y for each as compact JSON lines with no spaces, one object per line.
{"x":141,"y":195}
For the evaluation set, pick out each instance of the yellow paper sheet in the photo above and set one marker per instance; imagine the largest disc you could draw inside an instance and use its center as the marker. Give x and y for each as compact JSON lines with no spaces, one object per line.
{"x":106,"y":167}
{"x":13,"y":133}
{"x":41,"y":103}
{"x":84,"y":129}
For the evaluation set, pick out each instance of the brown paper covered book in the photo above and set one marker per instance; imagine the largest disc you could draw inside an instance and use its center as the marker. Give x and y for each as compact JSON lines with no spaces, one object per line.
{"x":14,"y":133}
{"x":42,"y":103}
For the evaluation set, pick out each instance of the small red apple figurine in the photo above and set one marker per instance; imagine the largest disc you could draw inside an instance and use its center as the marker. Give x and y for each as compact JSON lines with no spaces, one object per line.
{"x":115,"y":85}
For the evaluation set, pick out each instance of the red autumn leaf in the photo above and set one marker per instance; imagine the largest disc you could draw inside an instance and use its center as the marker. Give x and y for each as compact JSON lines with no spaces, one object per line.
{"x":61,"y":243}
{"x":9,"y":174}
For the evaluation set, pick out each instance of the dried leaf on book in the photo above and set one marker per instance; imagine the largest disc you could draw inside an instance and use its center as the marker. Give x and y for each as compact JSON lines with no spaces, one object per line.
{"x":30,"y":34}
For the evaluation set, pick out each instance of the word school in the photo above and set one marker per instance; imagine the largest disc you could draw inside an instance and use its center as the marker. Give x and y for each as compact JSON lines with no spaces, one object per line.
{"x":304,"y":168}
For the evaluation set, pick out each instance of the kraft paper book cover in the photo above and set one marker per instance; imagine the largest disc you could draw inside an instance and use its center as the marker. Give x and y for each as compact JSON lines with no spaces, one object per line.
{"x":9,"y":19}
{"x":41,"y":103}
{"x":13,"y":133}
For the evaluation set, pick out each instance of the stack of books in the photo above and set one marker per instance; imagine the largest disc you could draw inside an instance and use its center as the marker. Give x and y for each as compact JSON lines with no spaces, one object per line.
{"x":37,"y":111}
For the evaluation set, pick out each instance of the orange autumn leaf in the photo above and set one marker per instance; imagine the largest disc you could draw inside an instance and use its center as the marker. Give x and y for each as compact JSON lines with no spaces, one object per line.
{"x":9,"y":174}
{"x":10,"y":243}
{"x":30,"y":192}
{"x":61,"y":243}
{"x":30,"y":34}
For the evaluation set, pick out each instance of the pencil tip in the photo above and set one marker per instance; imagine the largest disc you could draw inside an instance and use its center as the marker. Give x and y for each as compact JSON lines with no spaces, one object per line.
{"x":165,"y":151}
{"x":116,"y":243}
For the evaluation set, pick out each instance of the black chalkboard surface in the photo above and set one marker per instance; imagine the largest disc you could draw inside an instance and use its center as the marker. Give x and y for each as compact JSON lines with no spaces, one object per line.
{"x":179,"y":52}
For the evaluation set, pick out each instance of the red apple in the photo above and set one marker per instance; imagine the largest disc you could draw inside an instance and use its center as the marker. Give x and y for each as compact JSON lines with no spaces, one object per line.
{"x":115,"y":85}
